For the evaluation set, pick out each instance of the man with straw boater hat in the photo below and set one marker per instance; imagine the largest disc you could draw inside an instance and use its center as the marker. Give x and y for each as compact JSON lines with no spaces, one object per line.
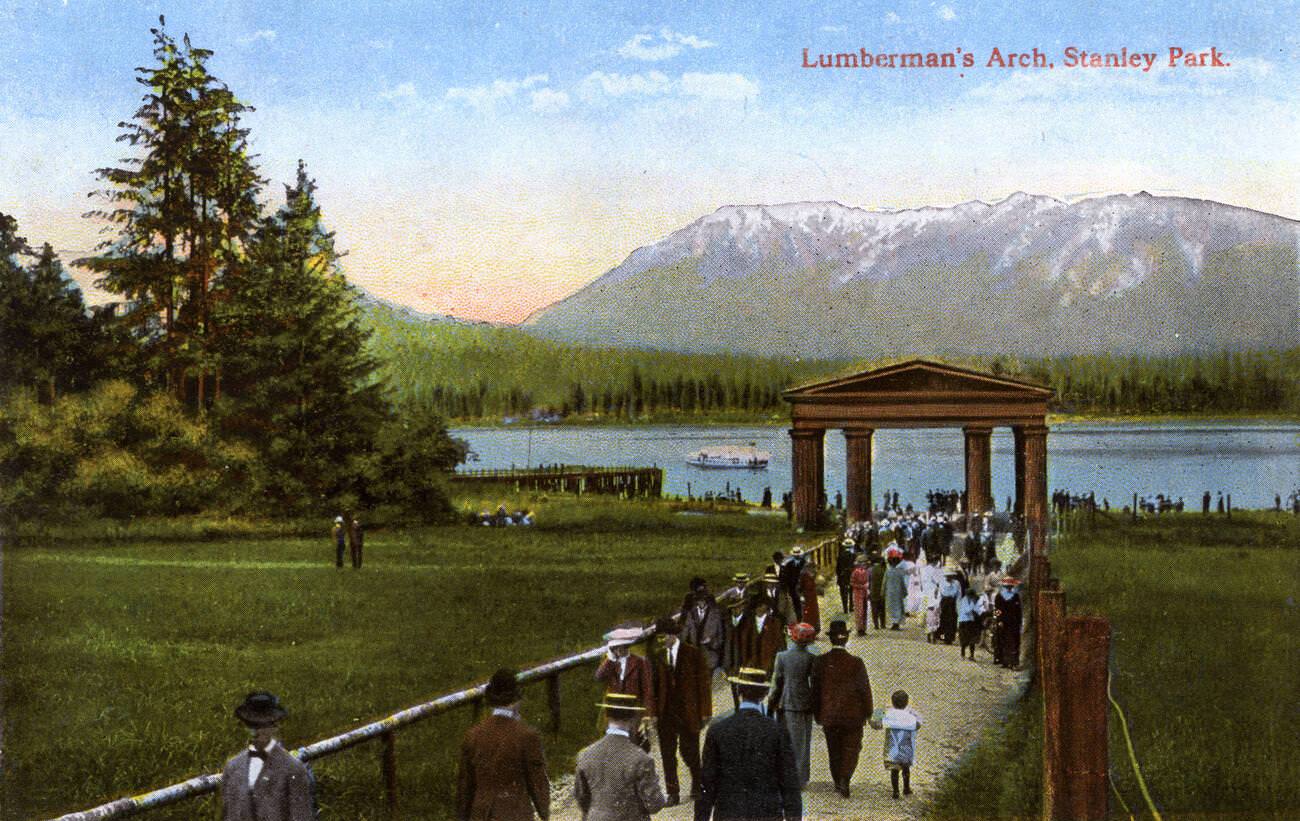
{"x":265,"y":782}
{"x":748,"y":770}
{"x":615,"y":779}
{"x":502,"y":774}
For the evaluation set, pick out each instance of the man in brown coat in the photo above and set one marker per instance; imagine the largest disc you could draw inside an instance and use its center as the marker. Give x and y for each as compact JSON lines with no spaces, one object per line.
{"x":841,"y":704}
{"x":762,"y":635}
{"x":683,"y":704}
{"x":502,"y":774}
{"x":265,"y":782}
{"x":616,"y":780}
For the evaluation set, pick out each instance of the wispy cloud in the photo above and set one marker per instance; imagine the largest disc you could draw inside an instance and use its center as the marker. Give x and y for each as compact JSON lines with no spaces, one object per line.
{"x":834,"y":29}
{"x":484,"y":96}
{"x":600,"y":83}
{"x":267,"y":35}
{"x":379,"y":45}
{"x":947,"y":13}
{"x":401,"y":91}
{"x":548,"y":101}
{"x":892,"y":18}
{"x":719,"y":86}
{"x":666,"y":45}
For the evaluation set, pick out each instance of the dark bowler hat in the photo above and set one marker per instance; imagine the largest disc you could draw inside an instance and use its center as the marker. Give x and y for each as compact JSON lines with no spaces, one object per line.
{"x":667,"y":625}
{"x":260,"y":709}
{"x":838,"y":629}
{"x":503,"y":688}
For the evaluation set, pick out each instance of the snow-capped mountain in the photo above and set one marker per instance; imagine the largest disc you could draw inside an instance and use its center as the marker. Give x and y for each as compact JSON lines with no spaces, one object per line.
{"x":1029,"y":275}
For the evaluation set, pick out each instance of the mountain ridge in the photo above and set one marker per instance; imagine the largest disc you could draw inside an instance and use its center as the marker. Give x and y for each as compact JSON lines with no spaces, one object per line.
{"x":1100,"y":269}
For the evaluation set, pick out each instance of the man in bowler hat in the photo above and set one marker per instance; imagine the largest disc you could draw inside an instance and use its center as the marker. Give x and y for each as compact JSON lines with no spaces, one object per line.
{"x":265,"y":782}
{"x":748,"y":770}
{"x":683,"y":703}
{"x":502,"y":775}
{"x":616,"y":780}
{"x":841,"y":704}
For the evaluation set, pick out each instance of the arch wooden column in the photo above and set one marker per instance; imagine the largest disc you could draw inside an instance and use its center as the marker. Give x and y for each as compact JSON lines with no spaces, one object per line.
{"x":857,"y":447}
{"x":1035,"y":447}
{"x":919,"y":394}
{"x":979,"y":472}
{"x":806,"y":473}
{"x":1018,"y":434}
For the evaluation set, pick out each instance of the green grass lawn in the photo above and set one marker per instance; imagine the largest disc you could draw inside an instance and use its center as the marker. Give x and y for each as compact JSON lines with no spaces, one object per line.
{"x":124,"y":657}
{"x":1205,"y":663}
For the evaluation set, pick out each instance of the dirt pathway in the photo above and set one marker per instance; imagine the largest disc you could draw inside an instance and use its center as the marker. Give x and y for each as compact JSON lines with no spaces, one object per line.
{"x":955,"y":698}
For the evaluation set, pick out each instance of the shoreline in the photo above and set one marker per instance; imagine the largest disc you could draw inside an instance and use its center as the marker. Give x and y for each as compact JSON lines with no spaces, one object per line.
{"x":768,"y":422}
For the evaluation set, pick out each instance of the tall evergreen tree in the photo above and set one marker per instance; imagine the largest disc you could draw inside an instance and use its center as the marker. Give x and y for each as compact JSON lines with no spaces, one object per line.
{"x":298,"y":383}
{"x":184,"y":208}
{"x":47,"y":340}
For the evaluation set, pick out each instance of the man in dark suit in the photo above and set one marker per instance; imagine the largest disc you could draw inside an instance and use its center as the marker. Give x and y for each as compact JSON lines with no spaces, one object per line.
{"x":762,"y":635}
{"x":702,"y":626}
{"x":683,"y":703}
{"x":265,"y":782}
{"x":748,"y":770}
{"x":841,"y":704}
{"x":502,"y":775}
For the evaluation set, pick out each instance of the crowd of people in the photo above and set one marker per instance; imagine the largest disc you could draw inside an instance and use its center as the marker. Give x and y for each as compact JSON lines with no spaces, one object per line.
{"x":504,"y":518}
{"x":757,"y":634}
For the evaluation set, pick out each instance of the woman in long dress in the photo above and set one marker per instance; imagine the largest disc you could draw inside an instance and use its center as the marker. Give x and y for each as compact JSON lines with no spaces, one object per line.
{"x":895,"y":589}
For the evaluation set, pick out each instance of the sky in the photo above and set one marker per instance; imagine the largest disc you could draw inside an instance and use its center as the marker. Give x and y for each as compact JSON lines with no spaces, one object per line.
{"x":487,"y":159}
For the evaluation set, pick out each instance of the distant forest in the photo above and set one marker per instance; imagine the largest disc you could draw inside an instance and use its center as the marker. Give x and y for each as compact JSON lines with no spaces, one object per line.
{"x":468,"y":372}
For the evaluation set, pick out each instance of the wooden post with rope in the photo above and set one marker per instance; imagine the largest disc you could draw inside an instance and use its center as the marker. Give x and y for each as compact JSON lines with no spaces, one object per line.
{"x":1049,"y":616}
{"x":1083,"y":743}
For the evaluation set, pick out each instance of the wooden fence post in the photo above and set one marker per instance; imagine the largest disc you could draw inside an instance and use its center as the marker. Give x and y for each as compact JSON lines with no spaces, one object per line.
{"x":1049,"y":616}
{"x":390,"y":772}
{"x":553,"y":701}
{"x":1084,"y":663}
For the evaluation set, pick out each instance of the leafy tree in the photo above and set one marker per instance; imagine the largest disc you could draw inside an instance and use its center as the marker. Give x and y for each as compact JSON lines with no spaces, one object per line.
{"x":414,"y":452}
{"x":299,"y":385}
{"x":184,"y":209}
{"x":47,"y":340}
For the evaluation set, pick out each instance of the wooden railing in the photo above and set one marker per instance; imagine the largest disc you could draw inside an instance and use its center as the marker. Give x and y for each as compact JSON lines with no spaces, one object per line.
{"x":577,"y":479}
{"x":384,"y":730}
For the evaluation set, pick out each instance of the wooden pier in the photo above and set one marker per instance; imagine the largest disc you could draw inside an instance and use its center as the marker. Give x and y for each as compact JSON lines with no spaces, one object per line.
{"x":626,"y":482}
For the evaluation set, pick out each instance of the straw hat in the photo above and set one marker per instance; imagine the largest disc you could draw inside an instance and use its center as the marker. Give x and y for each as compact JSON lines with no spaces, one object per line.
{"x":803,"y":633}
{"x":623,"y":636}
{"x":750,"y":677}
{"x":626,"y":702}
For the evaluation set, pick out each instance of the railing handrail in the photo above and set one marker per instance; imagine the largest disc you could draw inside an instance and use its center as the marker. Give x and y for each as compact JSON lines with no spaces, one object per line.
{"x":204,"y":784}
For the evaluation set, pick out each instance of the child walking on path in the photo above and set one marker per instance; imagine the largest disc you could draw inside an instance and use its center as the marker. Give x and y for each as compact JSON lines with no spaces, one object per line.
{"x":900,"y":725}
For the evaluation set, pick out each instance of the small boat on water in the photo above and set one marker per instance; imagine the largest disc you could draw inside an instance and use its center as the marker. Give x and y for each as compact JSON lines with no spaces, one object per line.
{"x":730,"y":456}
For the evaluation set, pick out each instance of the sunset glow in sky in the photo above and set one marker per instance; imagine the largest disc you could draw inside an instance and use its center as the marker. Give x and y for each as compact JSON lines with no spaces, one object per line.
{"x":486,"y":160}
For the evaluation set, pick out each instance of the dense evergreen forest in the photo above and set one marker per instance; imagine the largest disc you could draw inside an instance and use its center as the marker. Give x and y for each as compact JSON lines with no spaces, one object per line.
{"x":485,"y":373}
{"x":232,"y":373}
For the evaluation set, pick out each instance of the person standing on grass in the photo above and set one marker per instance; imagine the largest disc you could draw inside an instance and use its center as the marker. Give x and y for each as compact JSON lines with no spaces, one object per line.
{"x":792,"y":695}
{"x":340,"y":538}
{"x":841,"y":704}
{"x":615,"y":779}
{"x":1007,"y":614}
{"x":900,"y":724}
{"x":356,"y":538}
{"x":747,"y":771}
{"x":502,"y":772}
{"x":683,"y":704}
{"x":860,"y":581}
{"x":265,"y":782}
